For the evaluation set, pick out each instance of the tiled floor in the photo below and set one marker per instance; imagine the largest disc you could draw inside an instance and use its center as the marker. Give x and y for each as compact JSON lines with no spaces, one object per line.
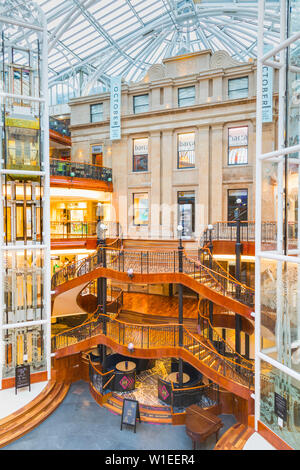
{"x":80,"y":424}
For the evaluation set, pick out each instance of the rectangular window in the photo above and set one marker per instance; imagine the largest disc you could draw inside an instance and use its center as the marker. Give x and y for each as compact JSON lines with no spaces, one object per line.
{"x":140,"y":154}
{"x":238,"y":88}
{"x":140,"y":209}
{"x":186,"y":212}
{"x":186,"y":96}
{"x":238,"y":145}
{"x":96,"y":112}
{"x":186,"y":150}
{"x":140,"y":104}
{"x":97,"y":154}
{"x":233,"y":204}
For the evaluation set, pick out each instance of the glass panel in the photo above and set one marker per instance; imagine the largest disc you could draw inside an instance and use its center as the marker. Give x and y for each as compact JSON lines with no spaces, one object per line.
{"x":19,"y":222}
{"x":238,"y":88}
{"x":22,"y":285}
{"x":140,"y":209}
{"x":24,"y":344}
{"x":186,"y":150}
{"x":280,"y":317}
{"x":284,"y":420}
{"x":186,"y":212}
{"x":22,"y":148}
{"x":269,"y":206}
{"x":96,"y":112}
{"x":238,"y":146}
{"x":186,"y":96}
{"x":233,"y":196}
{"x":140,"y":104}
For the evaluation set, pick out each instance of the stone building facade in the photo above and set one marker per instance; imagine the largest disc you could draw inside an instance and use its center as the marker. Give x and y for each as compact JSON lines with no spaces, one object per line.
{"x":187,"y":147}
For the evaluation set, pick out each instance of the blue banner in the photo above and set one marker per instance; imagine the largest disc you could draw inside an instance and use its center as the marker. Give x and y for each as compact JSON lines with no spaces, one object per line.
{"x":267,"y":90}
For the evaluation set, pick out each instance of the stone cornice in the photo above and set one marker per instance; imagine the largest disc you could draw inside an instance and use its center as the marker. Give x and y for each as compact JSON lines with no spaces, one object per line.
{"x":162,"y":112}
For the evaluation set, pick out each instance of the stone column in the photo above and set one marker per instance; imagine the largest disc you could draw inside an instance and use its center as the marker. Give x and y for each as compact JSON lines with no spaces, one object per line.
{"x":167,"y":208}
{"x":216,"y":171}
{"x":120,"y":182}
{"x":155,"y":164}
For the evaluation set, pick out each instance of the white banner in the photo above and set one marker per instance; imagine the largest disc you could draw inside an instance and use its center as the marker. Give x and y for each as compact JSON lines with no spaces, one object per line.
{"x":115,"y":108}
{"x":267,"y":90}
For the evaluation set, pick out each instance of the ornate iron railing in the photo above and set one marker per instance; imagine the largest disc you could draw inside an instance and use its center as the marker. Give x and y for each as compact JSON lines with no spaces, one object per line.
{"x":228,"y":231}
{"x":155,"y":336}
{"x":148,"y":262}
{"x":71,"y":229}
{"x":79,"y":170}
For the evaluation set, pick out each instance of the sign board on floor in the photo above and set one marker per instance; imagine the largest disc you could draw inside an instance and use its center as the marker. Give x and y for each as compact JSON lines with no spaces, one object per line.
{"x":22,"y":376}
{"x":130,"y":413}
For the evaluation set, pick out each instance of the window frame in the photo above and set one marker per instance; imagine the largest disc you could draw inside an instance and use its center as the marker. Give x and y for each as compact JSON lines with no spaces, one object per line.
{"x":91,"y":113}
{"x":241,"y":146}
{"x":235,"y":79}
{"x":237,"y":189}
{"x":138,"y":209}
{"x":180,"y":99}
{"x":178,"y":159}
{"x":133,"y":155}
{"x":135,"y":107}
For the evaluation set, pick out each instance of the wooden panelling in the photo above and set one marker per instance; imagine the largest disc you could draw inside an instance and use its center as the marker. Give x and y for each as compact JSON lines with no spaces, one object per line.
{"x":34,"y":378}
{"x":153,"y":353}
{"x":271,"y":437}
{"x":160,"y":278}
{"x":80,"y":183}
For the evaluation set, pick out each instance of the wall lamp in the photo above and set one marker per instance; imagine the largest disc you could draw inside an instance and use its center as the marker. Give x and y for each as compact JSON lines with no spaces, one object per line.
{"x":130,"y":347}
{"x":130,"y":273}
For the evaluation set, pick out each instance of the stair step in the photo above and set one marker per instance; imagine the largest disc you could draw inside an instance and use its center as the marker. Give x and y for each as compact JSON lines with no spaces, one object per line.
{"x":16,"y":428}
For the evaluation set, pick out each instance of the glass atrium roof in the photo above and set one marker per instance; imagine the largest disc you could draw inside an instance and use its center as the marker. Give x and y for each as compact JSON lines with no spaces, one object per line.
{"x":103,"y":38}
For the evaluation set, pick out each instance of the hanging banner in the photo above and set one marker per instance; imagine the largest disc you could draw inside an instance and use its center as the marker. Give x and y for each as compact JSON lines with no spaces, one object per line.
{"x":267,"y":90}
{"x":115,"y":108}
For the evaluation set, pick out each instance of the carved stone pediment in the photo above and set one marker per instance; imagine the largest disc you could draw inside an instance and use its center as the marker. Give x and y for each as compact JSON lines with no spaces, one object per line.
{"x":156,"y":72}
{"x":221,"y":59}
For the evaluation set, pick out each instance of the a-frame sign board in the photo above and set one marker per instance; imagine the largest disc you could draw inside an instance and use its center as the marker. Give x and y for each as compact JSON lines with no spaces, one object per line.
{"x":130,"y":413}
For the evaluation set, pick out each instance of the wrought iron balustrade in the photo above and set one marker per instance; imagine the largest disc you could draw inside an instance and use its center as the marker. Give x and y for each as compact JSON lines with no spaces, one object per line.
{"x":149,"y":262}
{"x":77,"y":229}
{"x":153,"y":336}
{"x":79,"y":170}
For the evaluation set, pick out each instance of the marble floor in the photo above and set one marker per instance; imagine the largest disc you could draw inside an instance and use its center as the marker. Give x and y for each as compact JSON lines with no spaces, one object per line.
{"x":10,"y":402}
{"x":79,"y":423}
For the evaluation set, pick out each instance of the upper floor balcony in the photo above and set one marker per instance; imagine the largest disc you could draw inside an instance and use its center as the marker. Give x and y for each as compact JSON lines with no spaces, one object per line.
{"x":80,"y":175}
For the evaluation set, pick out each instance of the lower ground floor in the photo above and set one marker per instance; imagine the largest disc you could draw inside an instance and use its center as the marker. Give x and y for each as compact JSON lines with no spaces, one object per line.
{"x":79,"y":423}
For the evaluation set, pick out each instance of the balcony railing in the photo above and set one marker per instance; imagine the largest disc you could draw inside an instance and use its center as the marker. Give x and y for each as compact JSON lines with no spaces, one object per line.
{"x":79,"y":170}
{"x":71,"y":229}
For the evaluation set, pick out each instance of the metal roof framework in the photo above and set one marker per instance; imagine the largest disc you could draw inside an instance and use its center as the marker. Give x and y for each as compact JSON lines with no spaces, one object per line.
{"x":92,"y":40}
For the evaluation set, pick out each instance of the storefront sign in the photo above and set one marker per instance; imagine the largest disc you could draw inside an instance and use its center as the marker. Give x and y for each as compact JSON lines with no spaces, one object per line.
{"x":115,"y":108}
{"x":267,"y":90}
{"x":238,"y":136}
{"x":186,"y":142}
{"x":140,"y":147}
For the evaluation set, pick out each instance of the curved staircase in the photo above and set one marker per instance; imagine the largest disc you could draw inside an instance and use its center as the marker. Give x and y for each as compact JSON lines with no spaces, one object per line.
{"x":149,"y":414}
{"x":235,"y":437}
{"x":25,"y":419}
